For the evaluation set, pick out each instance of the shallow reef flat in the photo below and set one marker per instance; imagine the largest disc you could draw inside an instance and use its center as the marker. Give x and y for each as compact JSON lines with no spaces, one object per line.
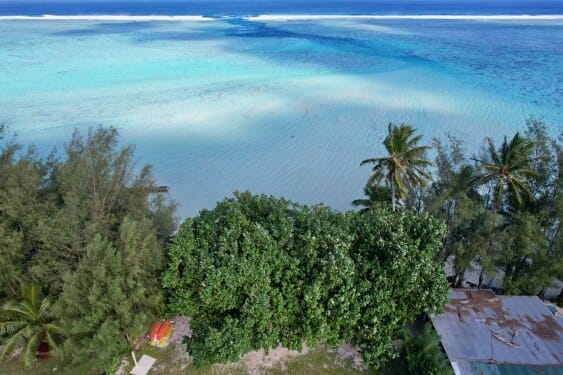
{"x":288,"y":108}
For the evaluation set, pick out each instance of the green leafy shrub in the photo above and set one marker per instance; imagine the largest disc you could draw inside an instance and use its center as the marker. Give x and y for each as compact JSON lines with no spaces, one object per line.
{"x":257,"y":272}
{"x":113,"y":365}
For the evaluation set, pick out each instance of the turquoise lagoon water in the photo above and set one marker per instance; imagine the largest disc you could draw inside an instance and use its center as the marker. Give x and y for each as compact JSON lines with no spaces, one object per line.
{"x":288,"y":108}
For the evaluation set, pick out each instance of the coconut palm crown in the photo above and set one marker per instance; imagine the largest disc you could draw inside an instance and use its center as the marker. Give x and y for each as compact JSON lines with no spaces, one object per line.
{"x":28,"y":322}
{"x":509,"y":168}
{"x":405,"y":167}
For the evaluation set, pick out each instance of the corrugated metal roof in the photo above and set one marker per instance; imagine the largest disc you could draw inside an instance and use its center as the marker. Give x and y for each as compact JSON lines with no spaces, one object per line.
{"x":479,"y":326}
{"x":481,"y":368}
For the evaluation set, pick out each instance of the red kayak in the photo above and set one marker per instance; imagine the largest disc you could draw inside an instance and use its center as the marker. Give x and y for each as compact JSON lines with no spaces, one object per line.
{"x":154,"y":331}
{"x":164,"y":330}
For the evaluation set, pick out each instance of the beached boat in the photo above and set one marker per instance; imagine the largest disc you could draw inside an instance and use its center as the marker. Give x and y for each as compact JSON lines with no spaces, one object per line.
{"x":160,"y":333}
{"x":153,"y":332}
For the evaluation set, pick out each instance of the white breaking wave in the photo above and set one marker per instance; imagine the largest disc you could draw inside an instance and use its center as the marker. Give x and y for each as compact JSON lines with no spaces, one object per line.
{"x":285,"y":17}
{"x":500,"y":17}
{"x":48,"y":17}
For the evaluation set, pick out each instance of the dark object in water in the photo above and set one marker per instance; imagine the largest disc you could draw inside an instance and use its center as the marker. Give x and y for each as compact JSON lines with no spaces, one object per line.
{"x":163,"y":189}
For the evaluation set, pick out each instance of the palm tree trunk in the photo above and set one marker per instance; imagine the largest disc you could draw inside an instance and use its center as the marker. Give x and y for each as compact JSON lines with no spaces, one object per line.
{"x":508,"y":273}
{"x":488,"y":202}
{"x":498,"y":195}
{"x":481,"y":278}
{"x":459,"y":277}
{"x":393,"y":195}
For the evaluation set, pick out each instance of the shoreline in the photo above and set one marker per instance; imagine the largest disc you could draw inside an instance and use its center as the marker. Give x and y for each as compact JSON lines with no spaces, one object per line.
{"x":283,"y":17}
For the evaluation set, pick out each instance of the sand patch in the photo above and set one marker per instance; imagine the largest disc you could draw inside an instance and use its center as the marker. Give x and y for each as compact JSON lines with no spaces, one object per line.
{"x":258,"y":360}
{"x":347,"y":353}
{"x":181,"y":329}
{"x":253,"y":363}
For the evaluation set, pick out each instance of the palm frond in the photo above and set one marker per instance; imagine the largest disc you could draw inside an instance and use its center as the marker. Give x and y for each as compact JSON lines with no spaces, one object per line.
{"x":15,"y":311}
{"x":414,"y":152}
{"x":29,"y":321}
{"x":421,"y":163}
{"x":28,"y":308}
{"x":520,"y":188}
{"x":11,"y":342}
{"x":31,"y":349}
{"x":9,"y":327}
{"x":373,"y":160}
{"x":414,"y":140}
{"x":491,"y":168}
{"x":375,"y":179}
{"x":51,"y":327}
{"x":528,"y":172}
{"x":53,"y":346}
{"x":492,"y":151}
{"x":361,"y":202}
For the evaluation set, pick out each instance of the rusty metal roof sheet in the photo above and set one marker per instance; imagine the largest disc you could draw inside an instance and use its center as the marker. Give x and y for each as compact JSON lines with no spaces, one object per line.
{"x":478,"y":325}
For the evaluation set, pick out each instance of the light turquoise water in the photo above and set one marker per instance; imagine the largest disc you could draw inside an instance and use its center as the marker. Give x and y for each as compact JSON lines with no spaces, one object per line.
{"x":287,"y":108}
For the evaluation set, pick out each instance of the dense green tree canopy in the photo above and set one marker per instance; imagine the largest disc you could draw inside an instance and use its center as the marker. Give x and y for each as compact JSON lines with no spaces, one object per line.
{"x":23,"y":204}
{"x":113,"y":296}
{"x":89,"y":229}
{"x":257,"y":272}
{"x":508,"y":228}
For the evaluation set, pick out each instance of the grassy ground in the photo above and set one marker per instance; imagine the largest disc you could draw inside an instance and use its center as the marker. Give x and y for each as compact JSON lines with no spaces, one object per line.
{"x":317,"y":361}
{"x":51,"y":366}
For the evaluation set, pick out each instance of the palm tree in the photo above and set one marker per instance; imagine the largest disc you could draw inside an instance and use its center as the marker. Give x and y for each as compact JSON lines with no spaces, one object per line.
{"x":509,"y":168}
{"x":405,"y":166}
{"x":28,"y":321}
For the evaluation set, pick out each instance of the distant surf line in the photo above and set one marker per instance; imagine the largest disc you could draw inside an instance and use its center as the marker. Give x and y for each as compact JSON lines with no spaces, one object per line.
{"x":499,"y":17}
{"x":282,"y":17}
{"x":50,"y":17}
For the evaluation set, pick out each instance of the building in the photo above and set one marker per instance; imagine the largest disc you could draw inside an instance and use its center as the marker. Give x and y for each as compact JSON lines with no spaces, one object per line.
{"x":486,"y":334}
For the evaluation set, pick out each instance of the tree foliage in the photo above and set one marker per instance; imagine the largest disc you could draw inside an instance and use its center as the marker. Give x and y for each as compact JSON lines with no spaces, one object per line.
{"x":23,"y":205}
{"x":94,"y":189}
{"x":113,"y":296}
{"x":454,"y":198}
{"x":375,"y":196}
{"x":89,"y":229}
{"x":420,"y":354}
{"x":503,"y":213}
{"x":257,"y":272}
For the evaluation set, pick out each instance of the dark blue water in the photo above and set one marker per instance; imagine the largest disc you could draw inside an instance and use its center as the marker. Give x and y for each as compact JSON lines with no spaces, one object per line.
{"x":253,"y":7}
